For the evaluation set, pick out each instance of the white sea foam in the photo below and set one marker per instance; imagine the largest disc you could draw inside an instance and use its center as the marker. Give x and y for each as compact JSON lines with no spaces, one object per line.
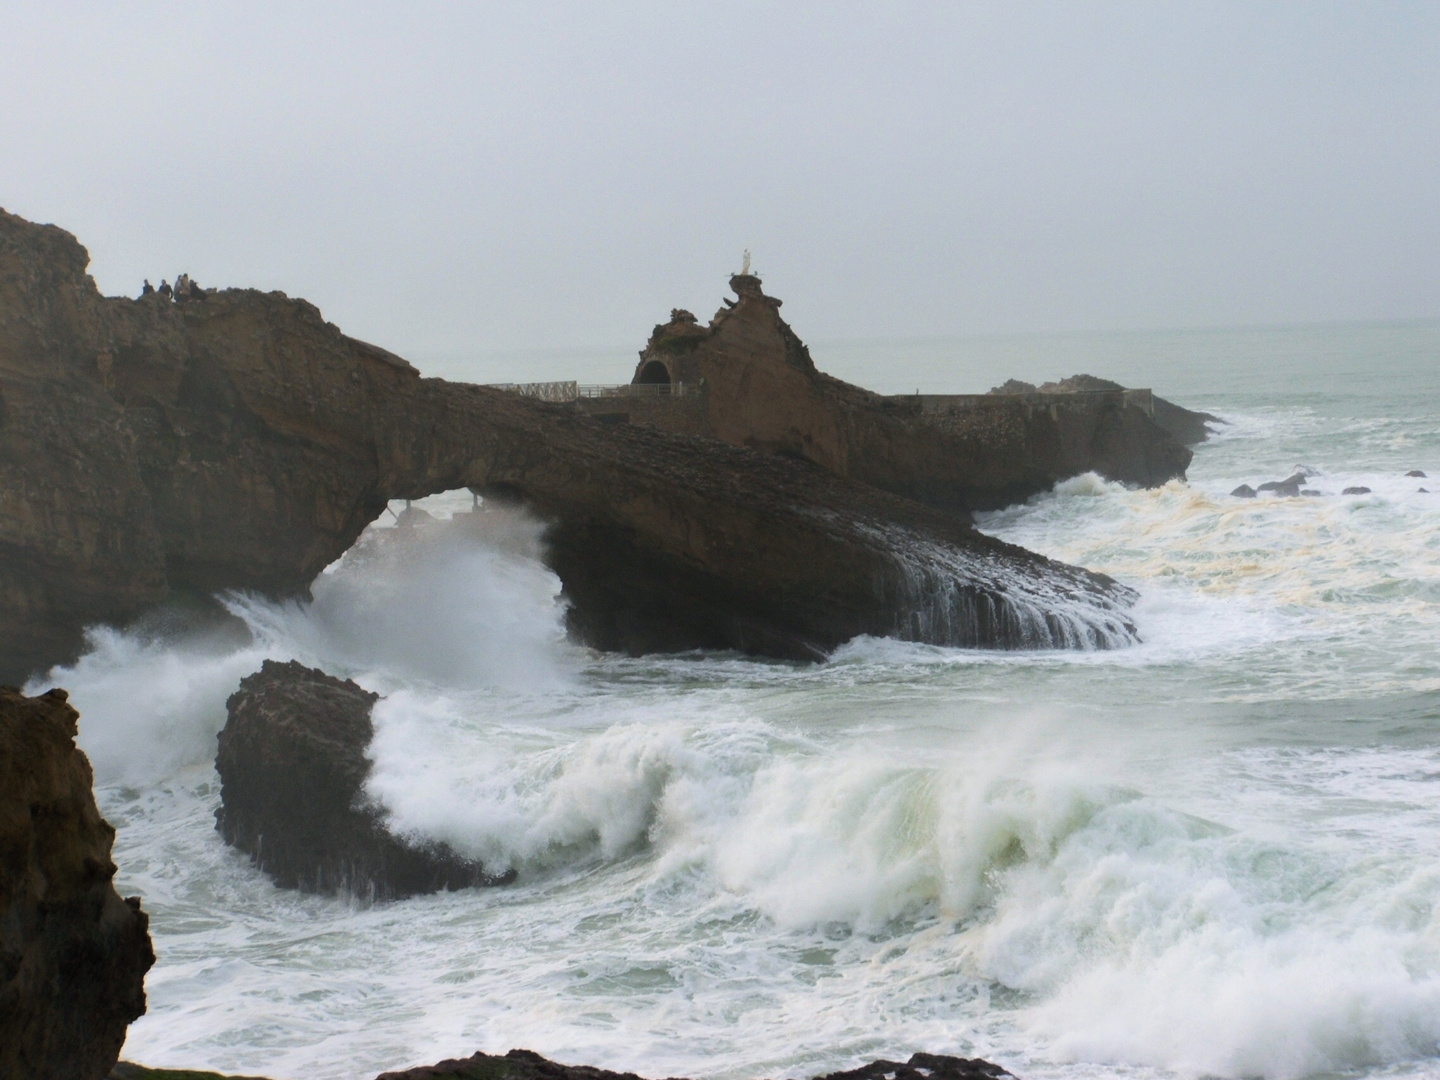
{"x":1212,"y":853}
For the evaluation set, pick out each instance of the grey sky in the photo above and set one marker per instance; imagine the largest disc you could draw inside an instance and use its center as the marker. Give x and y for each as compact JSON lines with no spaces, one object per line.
{"x":442,"y":178}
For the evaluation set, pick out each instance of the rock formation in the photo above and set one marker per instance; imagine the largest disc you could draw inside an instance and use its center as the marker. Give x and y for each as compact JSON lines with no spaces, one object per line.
{"x":73,"y":955}
{"x":150,"y":450}
{"x":954,"y":452}
{"x":292,"y":771}
{"x":527,"y":1065}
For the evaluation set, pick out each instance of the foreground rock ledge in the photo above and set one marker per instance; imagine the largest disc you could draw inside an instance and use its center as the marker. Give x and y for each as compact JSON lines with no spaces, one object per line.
{"x":292,"y":771}
{"x":526,"y":1065}
{"x":73,"y":955}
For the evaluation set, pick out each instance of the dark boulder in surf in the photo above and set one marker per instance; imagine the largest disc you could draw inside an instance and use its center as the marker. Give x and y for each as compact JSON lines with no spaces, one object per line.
{"x":1356,"y":491}
{"x":1417,"y":472}
{"x":292,"y":771}
{"x":527,"y":1065}
{"x":1244,"y":491}
{"x":73,"y":954}
{"x":1290,"y":486}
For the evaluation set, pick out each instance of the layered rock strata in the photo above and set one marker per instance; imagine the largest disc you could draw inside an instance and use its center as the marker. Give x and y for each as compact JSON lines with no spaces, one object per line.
{"x":73,"y":954}
{"x":150,"y":450}
{"x":761,"y":389}
{"x":292,"y":771}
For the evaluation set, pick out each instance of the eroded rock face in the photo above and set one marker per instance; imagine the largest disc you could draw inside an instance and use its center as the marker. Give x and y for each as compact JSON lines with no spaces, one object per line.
{"x":292,"y":771}
{"x":953,"y":452}
{"x":73,"y":954}
{"x":527,"y":1065}
{"x":153,"y":448}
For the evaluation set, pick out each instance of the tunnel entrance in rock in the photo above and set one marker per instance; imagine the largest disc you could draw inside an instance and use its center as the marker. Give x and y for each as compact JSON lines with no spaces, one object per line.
{"x":654,"y":373}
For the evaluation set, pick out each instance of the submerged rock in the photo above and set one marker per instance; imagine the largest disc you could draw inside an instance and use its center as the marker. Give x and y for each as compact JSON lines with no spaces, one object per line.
{"x":1416,"y":472}
{"x":1244,"y":491}
{"x":73,"y":954}
{"x":292,"y":771}
{"x":527,"y":1065}
{"x":1356,"y":491}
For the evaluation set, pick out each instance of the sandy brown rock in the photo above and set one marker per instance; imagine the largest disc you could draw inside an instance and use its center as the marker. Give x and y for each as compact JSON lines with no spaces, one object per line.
{"x":292,"y":771}
{"x":242,"y":442}
{"x":73,"y":954}
{"x":953,"y":452}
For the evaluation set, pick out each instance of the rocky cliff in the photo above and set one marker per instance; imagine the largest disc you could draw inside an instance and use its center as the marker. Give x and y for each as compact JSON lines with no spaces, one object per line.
{"x":73,"y":955}
{"x":239,"y":441}
{"x":763,"y":390}
{"x":292,"y":769}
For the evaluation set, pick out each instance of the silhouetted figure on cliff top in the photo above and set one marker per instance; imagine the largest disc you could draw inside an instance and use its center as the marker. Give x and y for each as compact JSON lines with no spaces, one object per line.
{"x":147,"y":289}
{"x":165,"y":289}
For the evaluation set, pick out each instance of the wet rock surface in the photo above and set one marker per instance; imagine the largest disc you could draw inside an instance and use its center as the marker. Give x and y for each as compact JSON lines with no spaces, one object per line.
{"x":73,"y":954}
{"x":1361,"y":490}
{"x":526,"y":1065}
{"x":158,"y":451}
{"x":1290,"y":486}
{"x":292,"y":771}
{"x":1244,"y":491}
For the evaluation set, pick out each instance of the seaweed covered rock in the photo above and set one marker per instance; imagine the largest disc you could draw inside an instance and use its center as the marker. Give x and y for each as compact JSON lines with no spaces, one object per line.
{"x":73,"y":954}
{"x":292,"y":771}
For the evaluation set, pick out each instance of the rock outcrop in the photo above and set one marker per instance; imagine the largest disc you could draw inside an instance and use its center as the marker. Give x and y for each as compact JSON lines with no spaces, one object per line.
{"x":1186,"y":426}
{"x":292,"y":771}
{"x":151,"y":449}
{"x":957,"y":452}
{"x":527,"y":1065}
{"x":73,"y":954}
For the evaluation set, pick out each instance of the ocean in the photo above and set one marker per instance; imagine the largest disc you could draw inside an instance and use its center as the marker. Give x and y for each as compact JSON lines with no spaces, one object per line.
{"x":1214,"y":853}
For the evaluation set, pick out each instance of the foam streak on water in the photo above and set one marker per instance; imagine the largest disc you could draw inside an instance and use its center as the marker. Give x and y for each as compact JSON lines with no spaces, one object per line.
{"x":1213,"y":852}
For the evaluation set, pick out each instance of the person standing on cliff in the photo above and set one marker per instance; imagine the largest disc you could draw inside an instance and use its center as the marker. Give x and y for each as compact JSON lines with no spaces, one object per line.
{"x":165,"y":288}
{"x":147,"y":289}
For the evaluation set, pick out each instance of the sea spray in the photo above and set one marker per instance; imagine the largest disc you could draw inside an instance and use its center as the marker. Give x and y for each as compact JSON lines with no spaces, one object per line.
{"x":1211,"y":852}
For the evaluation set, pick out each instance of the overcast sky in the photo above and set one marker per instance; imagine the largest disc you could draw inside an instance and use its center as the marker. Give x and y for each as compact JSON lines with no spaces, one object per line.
{"x":446,"y":178}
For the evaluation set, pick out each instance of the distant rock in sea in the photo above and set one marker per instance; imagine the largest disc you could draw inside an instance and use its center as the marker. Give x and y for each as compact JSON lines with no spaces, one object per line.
{"x":292,"y":771}
{"x":1356,"y":491}
{"x":1290,"y":486}
{"x":1244,"y":491}
{"x":1417,"y":472}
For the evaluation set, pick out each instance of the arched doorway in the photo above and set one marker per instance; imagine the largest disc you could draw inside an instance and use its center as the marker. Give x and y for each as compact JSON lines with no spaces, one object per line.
{"x":654,"y":372}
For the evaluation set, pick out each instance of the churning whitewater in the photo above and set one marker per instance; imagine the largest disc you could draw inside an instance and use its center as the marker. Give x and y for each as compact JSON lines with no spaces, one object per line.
{"x":1213,"y":852}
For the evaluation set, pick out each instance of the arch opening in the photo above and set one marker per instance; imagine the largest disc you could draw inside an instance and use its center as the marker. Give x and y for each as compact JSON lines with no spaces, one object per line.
{"x":654,"y":373}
